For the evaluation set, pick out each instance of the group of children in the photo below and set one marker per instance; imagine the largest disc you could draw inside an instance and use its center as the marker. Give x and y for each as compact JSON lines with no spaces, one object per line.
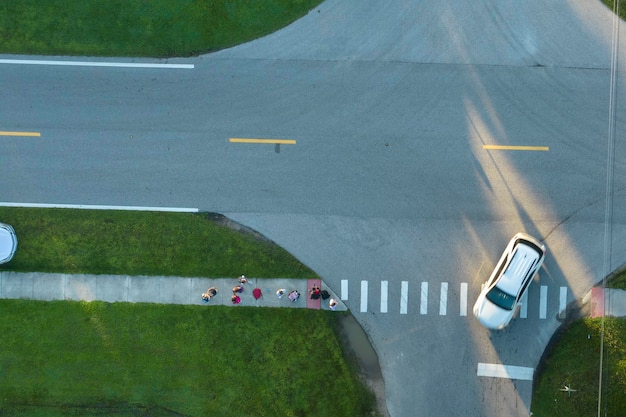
{"x":211,"y":292}
{"x":315,"y":292}
{"x":293,"y":295}
{"x":237,"y":289}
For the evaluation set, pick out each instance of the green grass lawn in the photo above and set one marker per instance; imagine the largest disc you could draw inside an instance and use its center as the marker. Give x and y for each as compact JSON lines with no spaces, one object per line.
{"x":89,"y":359}
{"x":155,"y":28}
{"x":574,"y":361}
{"x":77,"y":358}
{"x":141,"y":243}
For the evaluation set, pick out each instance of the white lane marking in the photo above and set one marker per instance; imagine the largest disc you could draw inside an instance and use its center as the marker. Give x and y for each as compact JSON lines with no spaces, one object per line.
{"x":101,"y":207}
{"x":543,"y":302}
{"x":95,"y":64}
{"x":443,"y":299}
{"x":523,"y":312}
{"x":424,"y":299}
{"x":344,"y":289}
{"x":384,"y":286}
{"x":404,"y":297}
{"x":363,"y":296}
{"x":562,"y":302}
{"x":463,"y":305}
{"x":505,"y":371}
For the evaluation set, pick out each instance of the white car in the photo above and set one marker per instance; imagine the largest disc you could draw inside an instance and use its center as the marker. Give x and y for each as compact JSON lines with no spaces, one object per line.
{"x":8,"y":243}
{"x":501,"y":294}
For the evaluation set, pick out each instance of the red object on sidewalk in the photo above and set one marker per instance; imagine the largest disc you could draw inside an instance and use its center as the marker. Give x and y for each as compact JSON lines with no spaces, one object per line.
{"x":597,"y":302}
{"x":314,"y":304}
{"x":257,"y":293}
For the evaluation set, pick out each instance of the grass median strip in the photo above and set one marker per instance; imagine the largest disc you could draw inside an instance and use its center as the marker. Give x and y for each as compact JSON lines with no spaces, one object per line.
{"x":138,"y":28}
{"x":142,"y":243}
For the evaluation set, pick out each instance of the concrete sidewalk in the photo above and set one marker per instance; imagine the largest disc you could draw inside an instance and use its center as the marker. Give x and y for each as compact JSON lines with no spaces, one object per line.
{"x":155,"y":289}
{"x":609,"y":302}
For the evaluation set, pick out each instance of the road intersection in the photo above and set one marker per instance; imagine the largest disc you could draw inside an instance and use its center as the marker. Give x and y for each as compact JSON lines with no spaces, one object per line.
{"x":392,"y":110}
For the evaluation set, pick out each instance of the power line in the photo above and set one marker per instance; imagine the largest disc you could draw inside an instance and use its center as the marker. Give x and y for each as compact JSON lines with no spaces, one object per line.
{"x":610,"y":169}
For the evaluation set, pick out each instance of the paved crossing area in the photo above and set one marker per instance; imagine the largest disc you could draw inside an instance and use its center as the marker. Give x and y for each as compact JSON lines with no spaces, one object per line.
{"x":443,"y":298}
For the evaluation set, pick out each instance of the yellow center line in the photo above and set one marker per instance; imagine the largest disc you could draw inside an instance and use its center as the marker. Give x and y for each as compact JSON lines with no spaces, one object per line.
{"x":272,"y":141}
{"x":515,"y":148}
{"x":19,"y":133}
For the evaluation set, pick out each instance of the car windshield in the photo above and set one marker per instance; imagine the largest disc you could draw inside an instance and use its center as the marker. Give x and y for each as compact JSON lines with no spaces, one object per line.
{"x":501,"y":299}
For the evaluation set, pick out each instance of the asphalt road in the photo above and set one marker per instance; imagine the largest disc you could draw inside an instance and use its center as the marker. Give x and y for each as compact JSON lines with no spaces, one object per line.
{"x":390,"y":106}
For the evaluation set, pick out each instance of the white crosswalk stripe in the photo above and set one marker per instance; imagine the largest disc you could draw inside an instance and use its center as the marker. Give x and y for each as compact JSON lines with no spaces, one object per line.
{"x":449,"y":293}
{"x":443,"y":299}
{"x":384,"y":285}
{"x":543,"y":302}
{"x":562,"y":302}
{"x":344,"y":290}
{"x":463,"y":300}
{"x":364,"y":285}
{"x":523,"y":312}
{"x":424,"y":299}
{"x":404,"y":297}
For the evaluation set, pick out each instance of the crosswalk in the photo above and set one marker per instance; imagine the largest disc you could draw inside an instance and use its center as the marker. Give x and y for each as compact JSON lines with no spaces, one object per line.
{"x":441,"y":299}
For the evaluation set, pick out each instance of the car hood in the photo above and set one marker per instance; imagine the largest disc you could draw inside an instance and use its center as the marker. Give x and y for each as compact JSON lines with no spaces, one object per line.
{"x":490,"y":315}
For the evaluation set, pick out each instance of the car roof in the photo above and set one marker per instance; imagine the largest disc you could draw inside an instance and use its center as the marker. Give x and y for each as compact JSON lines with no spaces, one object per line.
{"x":523,"y":258}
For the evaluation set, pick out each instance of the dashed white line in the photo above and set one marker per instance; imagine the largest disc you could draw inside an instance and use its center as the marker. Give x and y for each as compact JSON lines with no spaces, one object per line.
{"x":95,"y":64}
{"x":404,"y":297}
{"x":344,"y":289}
{"x":505,"y":371}
{"x":384,"y":285}
{"x":523,"y":313}
{"x":424,"y":298}
{"x":364,"y":296}
{"x":443,"y":299}
{"x":463,"y":299}
{"x":562,"y":302}
{"x":543,"y":301}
